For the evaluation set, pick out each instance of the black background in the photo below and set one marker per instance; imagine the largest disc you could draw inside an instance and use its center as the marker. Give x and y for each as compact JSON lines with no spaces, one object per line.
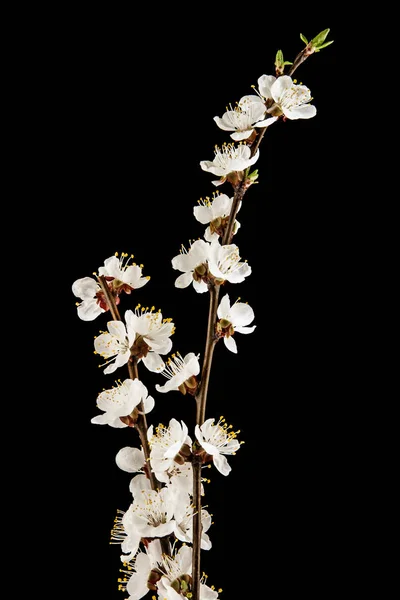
{"x":132,"y":120}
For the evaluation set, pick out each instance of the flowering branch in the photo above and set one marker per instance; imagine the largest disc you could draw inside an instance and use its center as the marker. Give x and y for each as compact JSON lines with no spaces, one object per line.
{"x":167,"y":488}
{"x":141,"y":423}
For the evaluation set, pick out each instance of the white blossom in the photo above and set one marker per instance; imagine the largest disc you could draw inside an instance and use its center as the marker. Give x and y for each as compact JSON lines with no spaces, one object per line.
{"x":122,"y":274}
{"x":218,"y":440}
{"x":115,"y":345}
{"x":152,"y":512}
{"x":234,"y":319}
{"x":166,"y":443}
{"x":152,"y":336}
{"x":228,"y":159}
{"x":178,"y":370}
{"x":242,"y":119}
{"x":224,"y":263}
{"x":119,"y":401}
{"x":139,"y":571}
{"x":216,"y":211}
{"x":184,"y":522}
{"x":93,"y":304}
{"x":174,"y":568}
{"x":191,"y":262}
{"x":292,"y":100}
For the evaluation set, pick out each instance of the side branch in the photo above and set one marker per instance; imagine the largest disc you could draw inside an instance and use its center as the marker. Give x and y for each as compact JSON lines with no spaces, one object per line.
{"x":201,"y":396}
{"x":109,"y":298}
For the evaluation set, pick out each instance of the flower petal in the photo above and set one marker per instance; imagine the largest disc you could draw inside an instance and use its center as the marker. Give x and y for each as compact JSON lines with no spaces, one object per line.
{"x":241,"y":135}
{"x":241,"y":329}
{"x":153,"y":362}
{"x":131,"y":460}
{"x":230,"y":344}
{"x":100,"y":420}
{"x":223,"y":310}
{"x":85,"y":288}
{"x":306,"y":111}
{"x":203,"y":214}
{"x":200,"y":286}
{"x":222,"y":464}
{"x":221,"y":206}
{"x":88,"y":310}
{"x":280,"y":86}
{"x":242,"y":314}
{"x":111,"y":267}
{"x":209,"y":237}
{"x":206,"y":593}
{"x":266,"y":122}
{"x":265,"y":83}
{"x":117,"y":329}
{"x":221,"y":124}
{"x":148,"y":404}
{"x":184,"y":280}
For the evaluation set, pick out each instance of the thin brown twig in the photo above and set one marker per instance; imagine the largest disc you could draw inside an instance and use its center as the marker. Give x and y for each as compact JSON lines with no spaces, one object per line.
{"x":201,"y":397}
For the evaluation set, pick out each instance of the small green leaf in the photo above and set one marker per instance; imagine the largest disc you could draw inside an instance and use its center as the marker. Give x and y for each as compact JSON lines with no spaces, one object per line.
{"x":287,"y":63}
{"x":279,"y":58}
{"x":303,"y":38}
{"x":253,"y":176}
{"x":320,"y":38}
{"x":325,"y":45}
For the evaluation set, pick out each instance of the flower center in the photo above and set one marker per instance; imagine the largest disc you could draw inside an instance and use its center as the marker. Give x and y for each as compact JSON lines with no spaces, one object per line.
{"x":151,"y":508}
{"x":221,"y":433}
{"x":295,"y":96}
{"x":225,"y":154}
{"x":162,"y":438}
{"x":230,"y":262}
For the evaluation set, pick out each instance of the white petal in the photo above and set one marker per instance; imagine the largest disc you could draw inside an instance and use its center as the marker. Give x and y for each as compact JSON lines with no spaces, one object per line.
{"x":100,"y":420}
{"x":85,"y":288}
{"x":221,"y":124}
{"x":206,"y":593}
{"x":137,"y":484}
{"x":241,"y":329}
{"x":111,"y":267}
{"x":224,"y":308}
{"x":130,"y":460}
{"x":230,"y":344}
{"x":210,"y":448}
{"x":246,"y":101}
{"x":209,"y":237}
{"x":242,"y":314}
{"x":88,"y":310}
{"x":153,"y":362}
{"x":200,"y":286}
{"x":137,"y":584}
{"x":185,"y":559}
{"x":306,"y":111}
{"x":264,"y":85}
{"x":206,"y":165}
{"x":222,"y":464}
{"x":184,"y":280}
{"x":241,"y":135}
{"x":221,"y":206}
{"x":117,"y":329}
{"x":148,"y":404}
{"x":280,"y":86}
{"x":203,"y":214}
{"x":266,"y":122}
{"x":205,"y":543}
{"x":219,"y":182}
{"x":199,"y":434}
{"x":239,"y":274}
{"x":184,"y":262}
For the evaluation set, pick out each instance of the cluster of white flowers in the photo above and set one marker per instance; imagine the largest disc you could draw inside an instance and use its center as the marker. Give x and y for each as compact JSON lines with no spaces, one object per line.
{"x":156,"y":531}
